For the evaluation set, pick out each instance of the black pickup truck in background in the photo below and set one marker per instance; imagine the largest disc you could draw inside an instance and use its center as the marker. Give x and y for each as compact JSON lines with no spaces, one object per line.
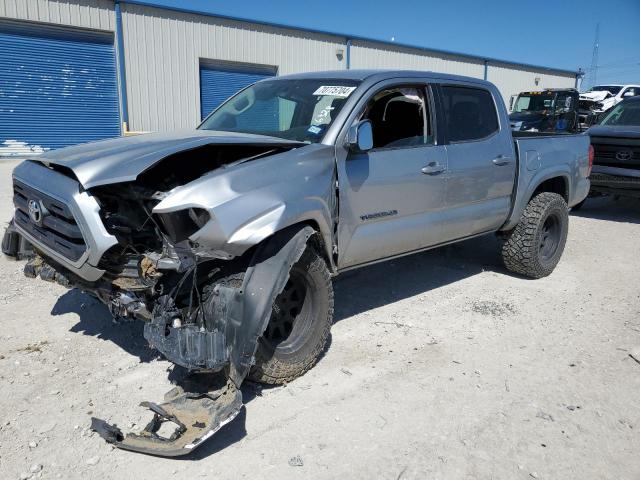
{"x":554,"y":110}
{"x":616,"y":148}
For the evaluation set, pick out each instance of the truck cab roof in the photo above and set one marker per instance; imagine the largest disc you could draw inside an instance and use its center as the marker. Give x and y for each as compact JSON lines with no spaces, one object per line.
{"x":377,"y":75}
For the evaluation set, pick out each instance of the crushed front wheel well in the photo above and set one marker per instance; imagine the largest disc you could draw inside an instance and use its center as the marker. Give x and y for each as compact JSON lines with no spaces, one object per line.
{"x":317,"y":241}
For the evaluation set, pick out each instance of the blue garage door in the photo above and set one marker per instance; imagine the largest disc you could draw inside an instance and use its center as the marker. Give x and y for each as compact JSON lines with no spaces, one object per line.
{"x":217,"y":83}
{"x":58,"y":87}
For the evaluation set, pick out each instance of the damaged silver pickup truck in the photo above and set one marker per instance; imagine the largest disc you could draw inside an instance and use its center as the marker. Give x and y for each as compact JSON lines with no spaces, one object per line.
{"x":225,"y":239}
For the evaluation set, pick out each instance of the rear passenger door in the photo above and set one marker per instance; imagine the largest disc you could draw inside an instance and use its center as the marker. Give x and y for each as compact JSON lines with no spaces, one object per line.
{"x":481,"y":164}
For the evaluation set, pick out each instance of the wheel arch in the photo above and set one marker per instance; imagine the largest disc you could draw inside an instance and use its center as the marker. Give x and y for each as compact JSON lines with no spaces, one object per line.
{"x":556,"y":184}
{"x":550,"y":181}
{"x":320,"y":239}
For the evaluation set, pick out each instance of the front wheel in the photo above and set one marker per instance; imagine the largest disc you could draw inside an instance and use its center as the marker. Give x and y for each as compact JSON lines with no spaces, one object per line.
{"x":534,"y":247}
{"x":298,"y":330}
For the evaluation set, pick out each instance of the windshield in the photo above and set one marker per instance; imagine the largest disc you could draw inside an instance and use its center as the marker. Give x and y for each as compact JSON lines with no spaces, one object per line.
{"x":625,"y":113}
{"x":301,"y":110}
{"x":606,"y":88}
{"x":533,"y":103}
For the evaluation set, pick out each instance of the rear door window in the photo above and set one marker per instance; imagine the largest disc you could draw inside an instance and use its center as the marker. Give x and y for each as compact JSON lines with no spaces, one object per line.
{"x":469,"y":113}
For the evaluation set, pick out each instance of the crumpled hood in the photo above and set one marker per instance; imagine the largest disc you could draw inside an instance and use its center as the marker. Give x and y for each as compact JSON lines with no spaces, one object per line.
{"x":595,"y":96}
{"x":123,"y":159}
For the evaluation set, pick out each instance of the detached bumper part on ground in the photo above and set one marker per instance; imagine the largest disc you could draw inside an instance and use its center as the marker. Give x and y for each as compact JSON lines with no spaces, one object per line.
{"x":196,"y":413}
{"x":197,"y":408}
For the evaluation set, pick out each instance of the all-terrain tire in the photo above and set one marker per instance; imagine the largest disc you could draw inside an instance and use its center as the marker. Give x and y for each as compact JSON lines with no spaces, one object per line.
{"x":534,"y":247}
{"x":279,"y":363}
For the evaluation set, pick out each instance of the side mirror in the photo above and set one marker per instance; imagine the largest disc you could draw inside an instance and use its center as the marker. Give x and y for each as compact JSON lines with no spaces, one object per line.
{"x":360,"y":136}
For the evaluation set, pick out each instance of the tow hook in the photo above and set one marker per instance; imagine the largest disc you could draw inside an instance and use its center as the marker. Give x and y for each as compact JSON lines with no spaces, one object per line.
{"x":201,"y":406}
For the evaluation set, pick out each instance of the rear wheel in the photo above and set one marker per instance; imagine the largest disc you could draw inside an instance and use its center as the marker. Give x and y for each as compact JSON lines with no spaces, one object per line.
{"x":534,"y":247}
{"x":298,"y":329}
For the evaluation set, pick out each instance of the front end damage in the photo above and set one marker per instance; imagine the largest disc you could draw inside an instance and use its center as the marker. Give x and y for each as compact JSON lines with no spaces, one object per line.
{"x":205,"y":302}
{"x":212,"y":331}
{"x":588,"y":112}
{"x":196,"y":415}
{"x":591,"y":107}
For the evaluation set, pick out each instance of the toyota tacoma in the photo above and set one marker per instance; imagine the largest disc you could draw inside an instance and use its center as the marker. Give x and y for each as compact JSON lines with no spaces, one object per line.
{"x":224,"y":240}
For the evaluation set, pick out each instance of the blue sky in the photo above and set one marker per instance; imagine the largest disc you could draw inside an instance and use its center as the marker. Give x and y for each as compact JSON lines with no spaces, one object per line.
{"x":556,"y":33}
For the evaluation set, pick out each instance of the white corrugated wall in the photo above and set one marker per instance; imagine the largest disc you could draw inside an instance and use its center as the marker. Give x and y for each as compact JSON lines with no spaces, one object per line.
{"x":163,"y":50}
{"x":375,"y":55}
{"x":94,"y":14}
{"x":512,"y":80}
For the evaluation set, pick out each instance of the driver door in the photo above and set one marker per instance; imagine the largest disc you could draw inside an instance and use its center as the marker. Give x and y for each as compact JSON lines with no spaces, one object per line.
{"x":391,"y":196}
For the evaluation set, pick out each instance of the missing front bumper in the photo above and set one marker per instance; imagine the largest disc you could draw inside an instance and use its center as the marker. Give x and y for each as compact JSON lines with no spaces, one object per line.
{"x":198,"y":409}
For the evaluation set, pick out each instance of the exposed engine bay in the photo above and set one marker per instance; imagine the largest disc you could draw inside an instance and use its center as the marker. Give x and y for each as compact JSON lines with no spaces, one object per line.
{"x":205,"y":308}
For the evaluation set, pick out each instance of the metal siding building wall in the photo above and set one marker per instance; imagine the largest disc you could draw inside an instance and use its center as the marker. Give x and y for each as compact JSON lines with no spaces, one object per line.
{"x":512,"y":80}
{"x":372,"y":55}
{"x":95,"y":14}
{"x":164,"y":48}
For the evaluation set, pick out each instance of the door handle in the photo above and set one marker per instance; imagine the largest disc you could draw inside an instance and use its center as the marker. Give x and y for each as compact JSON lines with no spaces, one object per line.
{"x":501,"y":160}
{"x":433,"y":169}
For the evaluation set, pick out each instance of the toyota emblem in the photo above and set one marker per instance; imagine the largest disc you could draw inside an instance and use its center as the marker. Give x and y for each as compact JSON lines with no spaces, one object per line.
{"x":35,"y":212}
{"x":624,"y":155}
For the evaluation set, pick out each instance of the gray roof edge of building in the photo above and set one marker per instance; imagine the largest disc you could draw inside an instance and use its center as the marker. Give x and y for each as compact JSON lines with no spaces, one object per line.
{"x":478,"y":58}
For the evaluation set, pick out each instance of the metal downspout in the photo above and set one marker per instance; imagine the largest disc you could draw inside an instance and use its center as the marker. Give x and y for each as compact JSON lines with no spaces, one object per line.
{"x":579,"y":76}
{"x":348,"y":53}
{"x":122,"y":76}
{"x":486,"y":69}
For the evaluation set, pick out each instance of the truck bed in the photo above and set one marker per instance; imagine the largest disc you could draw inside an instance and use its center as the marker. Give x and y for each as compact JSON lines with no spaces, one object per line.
{"x":542,"y":156}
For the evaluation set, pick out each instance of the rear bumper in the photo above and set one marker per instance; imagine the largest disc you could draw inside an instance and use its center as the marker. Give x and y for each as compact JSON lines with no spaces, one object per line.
{"x":581,"y":191}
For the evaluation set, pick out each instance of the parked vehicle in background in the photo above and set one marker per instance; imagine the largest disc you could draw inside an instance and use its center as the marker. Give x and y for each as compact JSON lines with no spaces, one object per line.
{"x":550,"y":110}
{"x":224,"y":239}
{"x":600,"y":99}
{"x":616,"y":148}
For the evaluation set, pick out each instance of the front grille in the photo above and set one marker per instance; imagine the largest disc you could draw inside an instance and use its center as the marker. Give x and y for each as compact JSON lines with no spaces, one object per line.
{"x":57,"y":230}
{"x":610,"y":151}
{"x":607,"y":150}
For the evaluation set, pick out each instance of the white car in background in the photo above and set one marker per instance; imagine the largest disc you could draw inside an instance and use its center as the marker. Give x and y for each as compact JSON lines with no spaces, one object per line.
{"x":601,"y":98}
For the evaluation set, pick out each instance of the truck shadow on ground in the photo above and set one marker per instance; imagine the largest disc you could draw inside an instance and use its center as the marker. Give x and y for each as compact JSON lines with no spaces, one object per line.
{"x":388,"y":282}
{"x":95,"y":319}
{"x":355,"y":292}
{"x":624,"y":210}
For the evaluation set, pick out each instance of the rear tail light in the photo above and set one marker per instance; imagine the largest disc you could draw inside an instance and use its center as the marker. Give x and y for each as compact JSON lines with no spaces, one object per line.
{"x":591,"y":156}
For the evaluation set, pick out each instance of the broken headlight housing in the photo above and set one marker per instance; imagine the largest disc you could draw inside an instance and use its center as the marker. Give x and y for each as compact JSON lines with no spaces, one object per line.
{"x":182,"y":224}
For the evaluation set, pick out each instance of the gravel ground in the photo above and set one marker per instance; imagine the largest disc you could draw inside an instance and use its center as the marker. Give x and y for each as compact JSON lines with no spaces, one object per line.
{"x":441,"y":366}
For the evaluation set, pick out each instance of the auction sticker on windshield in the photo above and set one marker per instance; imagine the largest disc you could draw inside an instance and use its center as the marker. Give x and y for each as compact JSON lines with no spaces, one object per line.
{"x":335,"y":91}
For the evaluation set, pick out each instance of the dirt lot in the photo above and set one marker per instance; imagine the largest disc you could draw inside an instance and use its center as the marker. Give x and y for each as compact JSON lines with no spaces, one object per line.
{"x":441,"y":366}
